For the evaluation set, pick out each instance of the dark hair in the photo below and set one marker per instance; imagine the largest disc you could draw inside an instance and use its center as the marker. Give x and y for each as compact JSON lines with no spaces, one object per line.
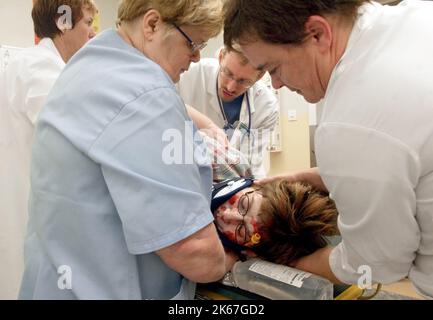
{"x":278,"y":21}
{"x":295,"y":220}
{"x":45,"y":15}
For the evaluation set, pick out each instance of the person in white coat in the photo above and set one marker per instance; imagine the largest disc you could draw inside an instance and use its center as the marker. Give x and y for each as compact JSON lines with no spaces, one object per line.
{"x":229,"y":91}
{"x":25,"y":85}
{"x":372,"y":66}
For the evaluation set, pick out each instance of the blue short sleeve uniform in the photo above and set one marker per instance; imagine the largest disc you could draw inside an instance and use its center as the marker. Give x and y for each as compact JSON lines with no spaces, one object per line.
{"x":103,"y":197}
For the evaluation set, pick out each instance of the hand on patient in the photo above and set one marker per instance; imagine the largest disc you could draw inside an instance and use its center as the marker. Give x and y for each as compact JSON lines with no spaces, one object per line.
{"x":217,"y":134}
{"x":317,"y":263}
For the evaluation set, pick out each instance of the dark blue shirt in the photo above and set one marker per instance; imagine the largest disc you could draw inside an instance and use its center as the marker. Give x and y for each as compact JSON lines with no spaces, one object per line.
{"x":232,"y":109}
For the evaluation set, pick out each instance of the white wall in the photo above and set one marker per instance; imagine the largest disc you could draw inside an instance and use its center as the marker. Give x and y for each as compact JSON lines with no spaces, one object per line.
{"x":212,"y":46}
{"x":16,"y":25}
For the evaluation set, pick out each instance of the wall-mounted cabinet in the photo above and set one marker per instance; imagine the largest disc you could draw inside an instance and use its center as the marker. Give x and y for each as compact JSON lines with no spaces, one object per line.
{"x":275,"y":143}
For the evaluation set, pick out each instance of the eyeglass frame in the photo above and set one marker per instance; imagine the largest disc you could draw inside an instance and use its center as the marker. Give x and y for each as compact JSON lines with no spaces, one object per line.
{"x":229,"y":75}
{"x":195,"y":47}
{"x":243,"y":214}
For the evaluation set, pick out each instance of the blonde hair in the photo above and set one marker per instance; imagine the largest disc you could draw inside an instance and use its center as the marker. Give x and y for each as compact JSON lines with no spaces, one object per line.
{"x":91,"y":6}
{"x":205,"y":14}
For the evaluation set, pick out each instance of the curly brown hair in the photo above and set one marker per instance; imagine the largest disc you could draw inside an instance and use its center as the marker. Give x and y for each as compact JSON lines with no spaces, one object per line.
{"x":296,"y":218}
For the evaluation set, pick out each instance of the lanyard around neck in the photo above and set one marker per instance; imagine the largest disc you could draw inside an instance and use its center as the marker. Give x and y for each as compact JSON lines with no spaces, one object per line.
{"x":227,"y":125}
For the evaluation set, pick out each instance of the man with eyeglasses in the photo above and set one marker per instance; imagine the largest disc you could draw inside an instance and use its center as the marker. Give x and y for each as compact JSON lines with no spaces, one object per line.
{"x":228,"y":90}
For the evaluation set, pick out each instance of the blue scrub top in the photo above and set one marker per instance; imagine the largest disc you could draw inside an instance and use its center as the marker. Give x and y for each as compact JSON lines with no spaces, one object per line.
{"x":103,"y":199}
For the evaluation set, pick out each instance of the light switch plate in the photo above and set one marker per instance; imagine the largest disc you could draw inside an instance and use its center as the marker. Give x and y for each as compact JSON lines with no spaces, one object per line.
{"x":292,"y":114}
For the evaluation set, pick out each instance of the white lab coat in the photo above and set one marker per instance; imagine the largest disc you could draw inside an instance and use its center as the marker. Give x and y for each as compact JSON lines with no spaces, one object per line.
{"x":197,"y":87}
{"x":375,"y":147}
{"x":24,"y":87}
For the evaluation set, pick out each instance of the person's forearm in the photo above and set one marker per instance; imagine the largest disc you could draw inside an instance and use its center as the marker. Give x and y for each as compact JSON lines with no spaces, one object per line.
{"x":207,"y":126}
{"x":199,"y":258}
{"x":311,"y":176}
{"x":231,"y":259}
{"x":199,"y":119}
{"x":318,"y":263}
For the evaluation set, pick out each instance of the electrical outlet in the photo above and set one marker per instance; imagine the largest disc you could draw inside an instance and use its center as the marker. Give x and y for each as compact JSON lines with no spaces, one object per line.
{"x":292,"y":114}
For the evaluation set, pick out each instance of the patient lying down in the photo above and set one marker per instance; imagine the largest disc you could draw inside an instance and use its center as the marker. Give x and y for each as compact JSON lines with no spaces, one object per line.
{"x":279,"y":221}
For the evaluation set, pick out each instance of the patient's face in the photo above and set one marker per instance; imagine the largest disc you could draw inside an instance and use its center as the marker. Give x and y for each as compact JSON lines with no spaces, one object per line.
{"x":238,"y":219}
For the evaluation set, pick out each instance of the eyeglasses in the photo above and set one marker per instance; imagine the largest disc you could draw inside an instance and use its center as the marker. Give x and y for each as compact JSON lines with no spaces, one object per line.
{"x":240,"y":82}
{"x":193,"y":46}
{"x":243,"y":207}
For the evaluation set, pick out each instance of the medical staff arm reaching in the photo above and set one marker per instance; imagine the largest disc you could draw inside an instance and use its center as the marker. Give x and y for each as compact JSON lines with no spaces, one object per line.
{"x":310,"y":176}
{"x":206,"y":125}
{"x":197,"y":256}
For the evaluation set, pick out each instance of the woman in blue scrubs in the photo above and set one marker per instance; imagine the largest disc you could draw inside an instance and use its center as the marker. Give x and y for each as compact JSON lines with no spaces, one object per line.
{"x":110,"y":218}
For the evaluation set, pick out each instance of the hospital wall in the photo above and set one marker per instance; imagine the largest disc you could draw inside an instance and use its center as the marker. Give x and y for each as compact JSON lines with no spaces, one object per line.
{"x":17,"y":23}
{"x":295,"y":137}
